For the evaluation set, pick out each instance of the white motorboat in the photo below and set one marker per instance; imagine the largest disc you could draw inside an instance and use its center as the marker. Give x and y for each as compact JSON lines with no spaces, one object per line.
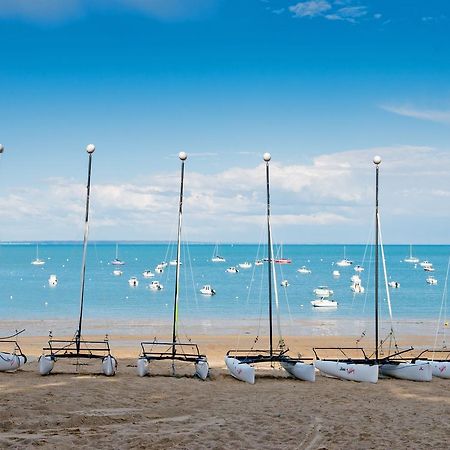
{"x":174,"y":262}
{"x":394,"y":284}
{"x":37,"y":261}
{"x":160,"y":268}
{"x":155,"y":285}
{"x":304,"y":270}
{"x":258,"y":262}
{"x":117,"y":272}
{"x":336,"y":273}
{"x":324,"y":303}
{"x":245,"y":265}
{"x":207,"y":290}
{"x":323,"y":291}
{"x":358,"y":268}
{"x":428,"y":269}
{"x":232,"y":269}
{"x":284,"y":283}
{"x":174,"y":350}
{"x":411,"y":258}
{"x":431,"y":280}
{"x":52,"y":280}
{"x":241,"y":362}
{"x":133,"y":282}
{"x":148,"y":274}
{"x":426,"y":263}
{"x":357,"y":288}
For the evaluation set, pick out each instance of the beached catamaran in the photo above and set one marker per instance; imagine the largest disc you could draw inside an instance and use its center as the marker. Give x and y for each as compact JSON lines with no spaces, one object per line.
{"x":363,"y":367}
{"x":11,"y":356}
{"x":175,"y":350}
{"x":240,"y":362}
{"x":78,"y":348}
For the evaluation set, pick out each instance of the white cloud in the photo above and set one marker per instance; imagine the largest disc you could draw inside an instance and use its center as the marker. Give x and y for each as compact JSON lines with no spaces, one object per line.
{"x":328,"y":198}
{"x":310,"y":8}
{"x":349,"y":13}
{"x":424,"y":114}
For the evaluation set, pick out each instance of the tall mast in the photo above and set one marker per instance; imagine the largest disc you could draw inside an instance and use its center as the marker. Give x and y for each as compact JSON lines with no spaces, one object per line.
{"x":267,"y":158}
{"x":377,"y":161}
{"x":90,"y":150}
{"x":183,"y":157}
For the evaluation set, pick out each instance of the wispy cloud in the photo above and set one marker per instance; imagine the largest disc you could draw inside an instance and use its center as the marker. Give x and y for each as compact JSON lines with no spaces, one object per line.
{"x":416,"y":113}
{"x":312,"y":8}
{"x":343,"y":10}
{"x":349,"y":13}
{"x":332,"y":191}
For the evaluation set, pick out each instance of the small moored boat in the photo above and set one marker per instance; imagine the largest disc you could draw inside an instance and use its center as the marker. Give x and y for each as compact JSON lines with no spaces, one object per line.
{"x":324,"y":303}
{"x":232,"y":269}
{"x":133,"y":282}
{"x":52,"y":280}
{"x":155,"y":285}
{"x":207,"y":290}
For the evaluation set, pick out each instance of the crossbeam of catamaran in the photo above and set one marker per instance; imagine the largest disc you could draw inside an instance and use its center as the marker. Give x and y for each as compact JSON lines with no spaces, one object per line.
{"x":240,"y":361}
{"x":366,"y":368}
{"x":79,"y":348}
{"x":11,"y":355}
{"x":175,"y":350}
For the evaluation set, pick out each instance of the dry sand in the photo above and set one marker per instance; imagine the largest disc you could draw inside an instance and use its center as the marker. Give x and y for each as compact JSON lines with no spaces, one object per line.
{"x":87,"y":410}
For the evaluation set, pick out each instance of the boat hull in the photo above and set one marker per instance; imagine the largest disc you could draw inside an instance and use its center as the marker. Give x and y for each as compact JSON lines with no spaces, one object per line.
{"x":419,"y":371}
{"x":240,"y":371}
{"x":46,"y":364}
{"x":202,"y":368}
{"x":440,"y":369}
{"x":300,"y":370}
{"x":143,"y":367}
{"x":109,"y":366}
{"x":349,"y":371}
{"x":10,"y":362}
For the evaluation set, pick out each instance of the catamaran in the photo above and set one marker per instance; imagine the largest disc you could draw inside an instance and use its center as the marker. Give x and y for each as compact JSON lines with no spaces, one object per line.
{"x":240,"y":362}
{"x":11,"y":358}
{"x":364,"y":367}
{"x":175,"y":350}
{"x":78,"y":348}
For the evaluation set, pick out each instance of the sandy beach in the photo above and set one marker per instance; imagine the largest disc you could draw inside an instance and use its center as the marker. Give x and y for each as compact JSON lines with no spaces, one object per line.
{"x":77,"y":406}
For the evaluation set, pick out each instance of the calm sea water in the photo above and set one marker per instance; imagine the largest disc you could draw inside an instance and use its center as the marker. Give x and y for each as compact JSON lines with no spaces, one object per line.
{"x":26,"y":295}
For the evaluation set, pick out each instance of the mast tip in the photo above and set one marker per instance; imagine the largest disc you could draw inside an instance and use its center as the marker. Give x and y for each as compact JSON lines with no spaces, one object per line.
{"x":182,"y":156}
{"x":267,"y":157}
{"x":377,"y":160}
{"x":90,"y":148}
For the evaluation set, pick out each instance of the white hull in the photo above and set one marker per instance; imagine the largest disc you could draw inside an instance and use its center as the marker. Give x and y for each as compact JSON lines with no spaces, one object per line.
{"x":419,"y":371}
{"x":10,"y":362}
{"x":46,"y":364}
{"x":300,"y":370}
{"x":440,"y":369}
{"x":143,"y":367}
{"x":348,"y":371}
{"x":109,"y":366}
{"x":324,"y":303}
{"x":240,"y":371}
{"x":202,"y":369}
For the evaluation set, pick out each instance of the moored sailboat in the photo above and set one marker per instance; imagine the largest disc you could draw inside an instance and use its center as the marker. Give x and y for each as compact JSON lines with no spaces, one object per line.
{"x":174,"y":350}
{"x":79,"y":348}
{"x":240,"y":362}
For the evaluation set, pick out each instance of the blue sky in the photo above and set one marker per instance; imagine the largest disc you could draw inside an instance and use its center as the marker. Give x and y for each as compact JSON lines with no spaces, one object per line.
{"x":321,"y":84}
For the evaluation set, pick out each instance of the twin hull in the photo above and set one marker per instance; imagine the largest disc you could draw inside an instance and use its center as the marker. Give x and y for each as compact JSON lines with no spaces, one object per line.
{"x":201,"y":368}
{"x":245,"y":372}
{"x":349,"y":371}
{"x":418,"y":371}
{"x":47,"y":362}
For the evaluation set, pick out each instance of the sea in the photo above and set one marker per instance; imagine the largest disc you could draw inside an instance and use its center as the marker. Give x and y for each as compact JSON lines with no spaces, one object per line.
{"x":241,"y":300}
